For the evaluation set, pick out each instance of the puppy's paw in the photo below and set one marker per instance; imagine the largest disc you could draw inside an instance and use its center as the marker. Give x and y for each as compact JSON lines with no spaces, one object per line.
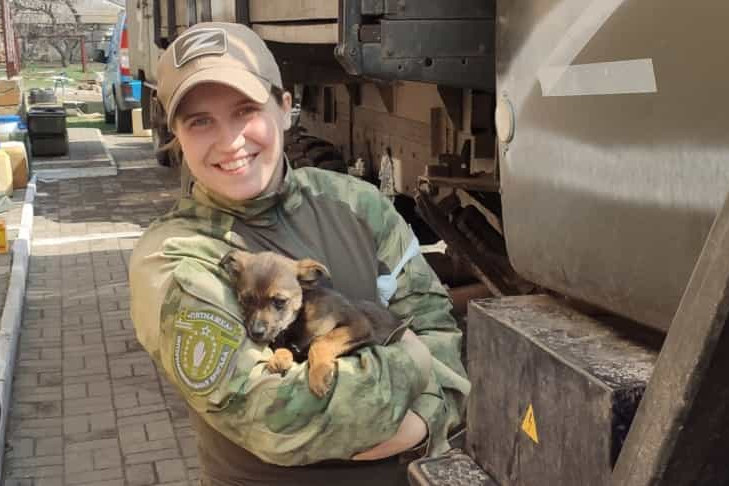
{"x":281,"y":361}
{"x":321,"y":376}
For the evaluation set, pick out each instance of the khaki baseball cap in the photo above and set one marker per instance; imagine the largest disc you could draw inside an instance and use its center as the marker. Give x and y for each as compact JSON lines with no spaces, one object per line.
{"x":216,"y":52}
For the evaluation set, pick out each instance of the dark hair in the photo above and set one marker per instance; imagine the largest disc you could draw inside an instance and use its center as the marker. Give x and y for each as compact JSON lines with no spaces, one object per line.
{"x":277,"y":94}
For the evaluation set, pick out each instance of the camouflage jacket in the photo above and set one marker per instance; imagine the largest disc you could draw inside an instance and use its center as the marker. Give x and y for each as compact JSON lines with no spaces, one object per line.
{"x":187,"y":317}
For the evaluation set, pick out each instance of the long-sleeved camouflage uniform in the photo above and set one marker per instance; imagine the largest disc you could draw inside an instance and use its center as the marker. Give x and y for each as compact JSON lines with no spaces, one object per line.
{"x":187,"y":317}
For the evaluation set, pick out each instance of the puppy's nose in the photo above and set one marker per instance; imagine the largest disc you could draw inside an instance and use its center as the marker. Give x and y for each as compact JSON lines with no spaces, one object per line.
{"x":258,"y":330}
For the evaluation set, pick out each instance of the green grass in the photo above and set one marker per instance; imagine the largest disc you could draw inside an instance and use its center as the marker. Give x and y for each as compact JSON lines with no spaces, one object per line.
{"x":40,"y":76}
{"x":90,"y":122}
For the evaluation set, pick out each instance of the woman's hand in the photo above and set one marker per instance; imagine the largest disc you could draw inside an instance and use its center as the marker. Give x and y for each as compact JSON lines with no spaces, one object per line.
{"x":413,"y":429}
{"x":411,"y":432}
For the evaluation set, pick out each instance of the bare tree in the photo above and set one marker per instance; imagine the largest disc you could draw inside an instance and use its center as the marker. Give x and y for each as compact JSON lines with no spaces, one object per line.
{"x":57,"y":21}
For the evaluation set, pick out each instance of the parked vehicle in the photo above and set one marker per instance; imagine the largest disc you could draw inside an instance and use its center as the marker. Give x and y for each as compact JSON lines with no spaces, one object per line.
{"x":565,"y":147}
{"x":120,"y":91}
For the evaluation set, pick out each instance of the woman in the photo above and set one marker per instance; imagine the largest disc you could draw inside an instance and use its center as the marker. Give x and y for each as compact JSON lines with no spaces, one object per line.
{"x":222,"y":92}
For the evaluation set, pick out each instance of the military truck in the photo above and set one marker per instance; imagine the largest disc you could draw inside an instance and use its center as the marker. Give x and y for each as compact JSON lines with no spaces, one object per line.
{"x":572,"y":156}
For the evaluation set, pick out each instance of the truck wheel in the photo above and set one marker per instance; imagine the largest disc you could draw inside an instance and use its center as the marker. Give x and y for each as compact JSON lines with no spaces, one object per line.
{"x":307,"y":151}
{"x":333,"y":165}
{"x":123,"y":120}
{"x":305,"y":143}
{"x":160,"y":137}
{"x":108,"y":117}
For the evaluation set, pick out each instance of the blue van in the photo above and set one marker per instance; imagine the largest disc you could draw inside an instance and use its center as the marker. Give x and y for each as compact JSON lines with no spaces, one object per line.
{"x":120,"y":92}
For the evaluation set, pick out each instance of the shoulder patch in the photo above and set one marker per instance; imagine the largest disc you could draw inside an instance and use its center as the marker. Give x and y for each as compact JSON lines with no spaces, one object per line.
{"x":205,"y":341}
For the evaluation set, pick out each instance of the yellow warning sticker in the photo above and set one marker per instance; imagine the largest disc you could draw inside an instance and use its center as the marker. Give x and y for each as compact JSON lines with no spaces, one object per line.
{"x":529,"y":424}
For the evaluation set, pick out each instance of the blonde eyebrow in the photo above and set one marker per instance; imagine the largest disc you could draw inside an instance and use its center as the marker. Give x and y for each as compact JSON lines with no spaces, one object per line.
{"x":247,"y":101}
{"x":187,"y":116}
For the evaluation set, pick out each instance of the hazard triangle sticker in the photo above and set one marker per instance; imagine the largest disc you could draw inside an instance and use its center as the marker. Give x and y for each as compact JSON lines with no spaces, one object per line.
{"x":529,"y":424}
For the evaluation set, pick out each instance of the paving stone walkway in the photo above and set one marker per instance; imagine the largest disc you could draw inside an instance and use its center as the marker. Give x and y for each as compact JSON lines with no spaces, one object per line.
{"x":89,"y":406}
{"x":87,"y":157}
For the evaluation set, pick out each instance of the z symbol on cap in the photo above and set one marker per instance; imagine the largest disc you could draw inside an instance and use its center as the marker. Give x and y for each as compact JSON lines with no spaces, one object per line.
{"x":199,"y":43}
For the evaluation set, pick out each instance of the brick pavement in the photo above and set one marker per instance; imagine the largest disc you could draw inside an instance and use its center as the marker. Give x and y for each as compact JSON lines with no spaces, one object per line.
{"x":84,"y":151}
{"x":89,"y":406}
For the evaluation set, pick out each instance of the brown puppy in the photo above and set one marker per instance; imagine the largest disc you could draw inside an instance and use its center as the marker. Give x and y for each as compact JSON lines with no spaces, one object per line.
{"x":286,"y":302}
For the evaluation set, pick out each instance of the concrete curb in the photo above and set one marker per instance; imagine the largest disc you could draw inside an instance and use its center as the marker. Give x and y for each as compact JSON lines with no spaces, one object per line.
{"x":106,"y":150}
{"x":12,"y":314}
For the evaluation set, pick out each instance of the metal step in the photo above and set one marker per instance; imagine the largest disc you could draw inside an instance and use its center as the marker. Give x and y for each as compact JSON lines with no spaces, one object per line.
{"x":452,"y":469}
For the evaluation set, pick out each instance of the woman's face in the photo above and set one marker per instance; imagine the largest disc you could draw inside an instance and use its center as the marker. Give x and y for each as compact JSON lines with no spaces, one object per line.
{"x":231,"y":144}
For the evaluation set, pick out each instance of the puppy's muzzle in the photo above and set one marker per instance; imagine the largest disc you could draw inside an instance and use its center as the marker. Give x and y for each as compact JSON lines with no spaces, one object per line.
{"x":257,"y":330}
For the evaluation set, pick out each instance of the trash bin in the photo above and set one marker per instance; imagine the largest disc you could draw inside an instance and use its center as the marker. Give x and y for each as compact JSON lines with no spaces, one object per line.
{"x":47,"y":120}
{"x":47,"y":129}
{"x":49,"y":144}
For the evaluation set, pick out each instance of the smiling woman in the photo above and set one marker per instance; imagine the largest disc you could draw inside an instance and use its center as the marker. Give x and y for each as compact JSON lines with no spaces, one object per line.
{"x":222,"y":91}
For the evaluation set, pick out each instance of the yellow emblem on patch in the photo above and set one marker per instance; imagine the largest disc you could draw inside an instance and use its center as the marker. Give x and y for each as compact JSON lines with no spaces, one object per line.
{"x":205,"y":342}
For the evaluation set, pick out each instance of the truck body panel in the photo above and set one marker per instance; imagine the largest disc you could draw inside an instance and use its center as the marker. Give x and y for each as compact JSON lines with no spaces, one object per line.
{"x":618,"y":165}
{"x":287,"y":11}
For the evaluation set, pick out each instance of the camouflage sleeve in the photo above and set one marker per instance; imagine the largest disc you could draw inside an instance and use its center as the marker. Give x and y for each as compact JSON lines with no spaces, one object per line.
{"x":221,"y":373}
{"x":422,"y":297}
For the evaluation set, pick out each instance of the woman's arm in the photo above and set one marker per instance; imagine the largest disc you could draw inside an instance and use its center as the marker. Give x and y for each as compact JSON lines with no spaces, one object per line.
{"x":412,"y":431}
{"x":221,"y":373}
{"x":421,"y":299}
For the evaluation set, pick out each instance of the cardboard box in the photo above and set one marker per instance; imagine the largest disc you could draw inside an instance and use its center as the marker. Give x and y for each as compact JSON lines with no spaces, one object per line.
{"x":138,"y":129}
{"x":9,"y":110}
{"x":10,"y":92}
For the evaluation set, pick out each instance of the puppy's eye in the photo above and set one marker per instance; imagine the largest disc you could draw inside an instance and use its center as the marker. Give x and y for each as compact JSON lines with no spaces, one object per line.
{"x":246,"y":300}
{"x":279,"y":303}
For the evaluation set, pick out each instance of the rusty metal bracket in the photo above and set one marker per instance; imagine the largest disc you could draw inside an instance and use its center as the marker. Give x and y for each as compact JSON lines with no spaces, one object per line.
{"x":490,"y":268}
{"x":489,"y":215}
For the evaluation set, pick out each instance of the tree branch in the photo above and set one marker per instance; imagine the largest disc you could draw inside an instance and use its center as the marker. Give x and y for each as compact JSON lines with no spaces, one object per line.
{"x":74,"y":11}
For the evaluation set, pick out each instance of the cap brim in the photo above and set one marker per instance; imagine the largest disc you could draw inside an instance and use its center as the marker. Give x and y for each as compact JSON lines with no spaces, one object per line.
{"x":246,"y":82}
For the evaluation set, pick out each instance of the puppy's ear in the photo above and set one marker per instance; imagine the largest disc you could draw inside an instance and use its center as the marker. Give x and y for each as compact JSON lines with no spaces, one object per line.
{"x":312,"y":273}
{"x":232,"y":265}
